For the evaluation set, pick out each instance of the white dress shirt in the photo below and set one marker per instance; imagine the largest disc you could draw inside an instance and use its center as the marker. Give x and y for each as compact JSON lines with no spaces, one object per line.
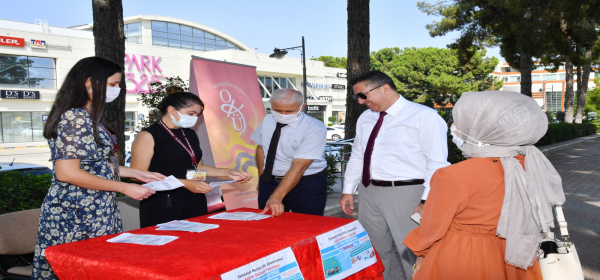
{"x":411,"y":144}
{"x":304,"y":139}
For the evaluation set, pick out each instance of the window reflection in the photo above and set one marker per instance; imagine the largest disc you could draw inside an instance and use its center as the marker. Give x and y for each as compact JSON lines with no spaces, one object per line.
{"x":186,"y":37}
{"x":27,"y":72}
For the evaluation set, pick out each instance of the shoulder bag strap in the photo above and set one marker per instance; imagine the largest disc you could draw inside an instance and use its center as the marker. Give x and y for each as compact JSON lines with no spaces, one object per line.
{"x":562,"y":223}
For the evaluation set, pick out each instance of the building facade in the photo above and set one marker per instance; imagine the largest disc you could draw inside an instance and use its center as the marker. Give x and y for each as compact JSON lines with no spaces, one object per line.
{"x":35,"y":58}
{"x":548,"y":89}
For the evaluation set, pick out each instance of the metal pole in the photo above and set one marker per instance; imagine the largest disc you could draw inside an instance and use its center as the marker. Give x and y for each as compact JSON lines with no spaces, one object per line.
{"x":304,"y":77}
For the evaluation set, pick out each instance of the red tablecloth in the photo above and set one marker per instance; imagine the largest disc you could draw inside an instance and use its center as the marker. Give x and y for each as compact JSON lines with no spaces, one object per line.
{"x":204,"y":255}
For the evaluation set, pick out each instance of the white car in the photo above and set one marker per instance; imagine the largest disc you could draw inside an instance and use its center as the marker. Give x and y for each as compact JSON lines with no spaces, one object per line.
{"x":25,"y":168}
{"x":129,"y":136}
{"x":335,"y":133}
{"x":37,"y":131}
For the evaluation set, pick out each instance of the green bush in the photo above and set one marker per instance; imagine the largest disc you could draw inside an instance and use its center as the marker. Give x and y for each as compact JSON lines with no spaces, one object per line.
{"x":566,"y":131}
{"x":22,"y":191}
{"x":331,"y":169}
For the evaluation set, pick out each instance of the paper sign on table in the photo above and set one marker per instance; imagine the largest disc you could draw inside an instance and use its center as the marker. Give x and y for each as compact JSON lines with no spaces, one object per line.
{"x":239,"y":216}
{"x":218,"y":184}
{"x":281,"y":265}
{"x":142,"y":239}
{"x":345,"y":251}
{"x":168,"y":184}
{"x":186,"y":226}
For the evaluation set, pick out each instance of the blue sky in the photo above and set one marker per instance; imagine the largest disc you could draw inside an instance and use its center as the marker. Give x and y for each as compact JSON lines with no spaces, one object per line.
{"x":261,"y":24}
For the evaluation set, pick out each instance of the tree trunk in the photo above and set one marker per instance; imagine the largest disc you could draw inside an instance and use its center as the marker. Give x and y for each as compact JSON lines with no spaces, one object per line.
{"x":358,"y":57}
{"x":582,"y":87}
{"x":109,"y":42}
{"x":569,"y":90}
{"x":526,"y":68}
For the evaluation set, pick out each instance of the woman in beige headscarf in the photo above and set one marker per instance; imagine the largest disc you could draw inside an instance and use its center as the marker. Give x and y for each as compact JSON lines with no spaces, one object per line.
{"x":483,"y":216}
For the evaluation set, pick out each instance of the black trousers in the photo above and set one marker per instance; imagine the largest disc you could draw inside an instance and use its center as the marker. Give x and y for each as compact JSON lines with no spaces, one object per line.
{"x":166,"y":206}
{"x":308,"y":197}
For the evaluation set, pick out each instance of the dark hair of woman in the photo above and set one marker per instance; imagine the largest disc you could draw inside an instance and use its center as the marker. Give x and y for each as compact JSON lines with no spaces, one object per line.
{"x":173,"y":89}
{"x":179,"y":100}
{"x":73,"y":93}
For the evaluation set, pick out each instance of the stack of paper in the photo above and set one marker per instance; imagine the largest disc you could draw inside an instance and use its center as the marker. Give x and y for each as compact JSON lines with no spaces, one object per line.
{"x":240,"y":216}
{"x":168,"y":184}
{"x":185,"y":226}
{"x":142,"y":239}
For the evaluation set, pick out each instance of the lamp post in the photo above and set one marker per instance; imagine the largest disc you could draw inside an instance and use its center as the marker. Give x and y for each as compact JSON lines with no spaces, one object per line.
{"x":280,"y":53}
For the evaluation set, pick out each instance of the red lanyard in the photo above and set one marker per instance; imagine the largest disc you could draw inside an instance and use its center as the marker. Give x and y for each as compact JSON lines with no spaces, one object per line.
{"x":189,"y":146}
{"x":116,"y":146}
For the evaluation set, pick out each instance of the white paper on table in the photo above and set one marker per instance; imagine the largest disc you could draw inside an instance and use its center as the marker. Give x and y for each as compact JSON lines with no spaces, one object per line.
{"x":239,"y":216}
{"x":280,"y":265}
{"x":218,"y":184}
{"x":345,"y":251}
{"x":186,"y":226}
{"x":142,"y":239}
{"x":169,"y":183}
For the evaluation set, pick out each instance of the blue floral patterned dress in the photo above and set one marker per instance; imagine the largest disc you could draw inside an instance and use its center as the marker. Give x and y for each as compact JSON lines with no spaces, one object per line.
{"x":71,"y":213}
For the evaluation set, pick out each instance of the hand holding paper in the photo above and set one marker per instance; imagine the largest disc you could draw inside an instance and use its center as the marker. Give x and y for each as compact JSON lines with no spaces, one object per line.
{"x":169,"y":183}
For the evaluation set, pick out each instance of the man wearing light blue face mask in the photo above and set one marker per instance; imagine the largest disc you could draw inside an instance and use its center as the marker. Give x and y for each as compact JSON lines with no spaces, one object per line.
{"x":290,"y":158}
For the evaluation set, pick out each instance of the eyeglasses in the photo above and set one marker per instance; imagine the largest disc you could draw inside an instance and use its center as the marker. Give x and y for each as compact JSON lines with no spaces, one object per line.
{"x":363,"y":96}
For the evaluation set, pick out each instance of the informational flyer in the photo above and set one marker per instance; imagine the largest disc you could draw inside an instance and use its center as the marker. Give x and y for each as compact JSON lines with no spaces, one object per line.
{"x":281,"y":265}
{"x":142,"y":239}
{"x":345,"y":251}
{"x":169,"y":183}
{"x":240,"y":216}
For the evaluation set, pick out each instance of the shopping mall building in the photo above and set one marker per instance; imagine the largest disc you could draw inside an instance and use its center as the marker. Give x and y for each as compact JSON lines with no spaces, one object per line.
{"x":35,"y":58}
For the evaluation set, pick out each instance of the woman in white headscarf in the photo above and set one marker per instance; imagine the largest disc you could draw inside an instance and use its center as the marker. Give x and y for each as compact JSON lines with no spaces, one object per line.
{"x":483,"y":216}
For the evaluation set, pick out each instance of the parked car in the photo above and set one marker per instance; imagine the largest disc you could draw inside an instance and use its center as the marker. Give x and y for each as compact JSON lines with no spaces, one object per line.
{"x":37,"y":131}
{"x":335,"y":133}
{"x":129,"y":136}
{"x":25,"y":168}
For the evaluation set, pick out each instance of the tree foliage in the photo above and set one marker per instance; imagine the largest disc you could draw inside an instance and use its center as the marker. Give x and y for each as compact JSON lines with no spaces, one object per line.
{"x":152,"y":99}
{"x":592,"y":103}
{"x":431,"y":71}
{"x":330,"y":61}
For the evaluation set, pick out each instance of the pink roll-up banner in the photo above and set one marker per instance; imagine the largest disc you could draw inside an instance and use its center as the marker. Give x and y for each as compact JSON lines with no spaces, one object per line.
{"x":233,"y":110}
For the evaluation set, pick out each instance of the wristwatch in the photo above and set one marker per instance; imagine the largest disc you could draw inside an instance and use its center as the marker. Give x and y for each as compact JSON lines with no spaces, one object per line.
{"x":422,"y":201}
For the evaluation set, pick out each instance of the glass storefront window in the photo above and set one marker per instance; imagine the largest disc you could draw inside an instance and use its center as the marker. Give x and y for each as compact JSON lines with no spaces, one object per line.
{"x":129,"y":121}
{"x":182,"y":36}
{"x":20,"y":127}
{"x":133,"y":32}
{"x":27,"y":72}
{"x":271,"y":86}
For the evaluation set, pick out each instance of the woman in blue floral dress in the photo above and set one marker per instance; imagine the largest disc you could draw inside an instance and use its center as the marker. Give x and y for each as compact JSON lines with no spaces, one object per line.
{"x":81,"y":201}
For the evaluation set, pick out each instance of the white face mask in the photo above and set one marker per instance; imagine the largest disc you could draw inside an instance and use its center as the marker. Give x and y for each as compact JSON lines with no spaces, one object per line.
{"x":112,"y":93}
{"x":185,"y":121}
{"x":455,"y":139}
{"x":286,"y":119}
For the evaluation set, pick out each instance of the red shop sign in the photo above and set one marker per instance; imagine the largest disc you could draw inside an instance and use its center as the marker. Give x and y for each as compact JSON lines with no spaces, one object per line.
{"x":12,"y":41}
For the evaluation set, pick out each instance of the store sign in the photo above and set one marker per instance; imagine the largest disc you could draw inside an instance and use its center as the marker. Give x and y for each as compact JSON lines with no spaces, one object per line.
{"x":44,"y":118}
{"x":317,"y":85}
{"x":12,"y":41}
{"x":336,"y":86}
{"x":330,"y":74}
{"x":141,"y":117}
{"x":147,"y":68}
{"x":342,"y":75}
{"x":38,"y":44}
{"x":317,"y":108}
{"x":19,"y":94}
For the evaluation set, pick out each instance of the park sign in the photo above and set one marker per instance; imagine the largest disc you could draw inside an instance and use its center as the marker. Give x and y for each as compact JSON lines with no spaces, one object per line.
{"x":12,"y":41}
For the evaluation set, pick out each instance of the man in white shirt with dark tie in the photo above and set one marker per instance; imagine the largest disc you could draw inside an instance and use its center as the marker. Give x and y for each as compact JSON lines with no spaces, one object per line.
{"x":398,"y":146}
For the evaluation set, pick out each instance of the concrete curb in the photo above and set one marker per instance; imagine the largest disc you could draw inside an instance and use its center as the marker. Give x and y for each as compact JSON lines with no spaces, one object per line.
{"x":21,"y":147}
{"x":568,"y":143}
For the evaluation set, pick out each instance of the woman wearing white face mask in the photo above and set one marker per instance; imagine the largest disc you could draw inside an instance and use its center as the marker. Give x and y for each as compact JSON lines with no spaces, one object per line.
{"x":171,"y":147}
{"x":80,"y":203}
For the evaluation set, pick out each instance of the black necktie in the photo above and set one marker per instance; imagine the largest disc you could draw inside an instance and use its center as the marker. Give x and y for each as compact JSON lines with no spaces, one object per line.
{"x":266,"y":176}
